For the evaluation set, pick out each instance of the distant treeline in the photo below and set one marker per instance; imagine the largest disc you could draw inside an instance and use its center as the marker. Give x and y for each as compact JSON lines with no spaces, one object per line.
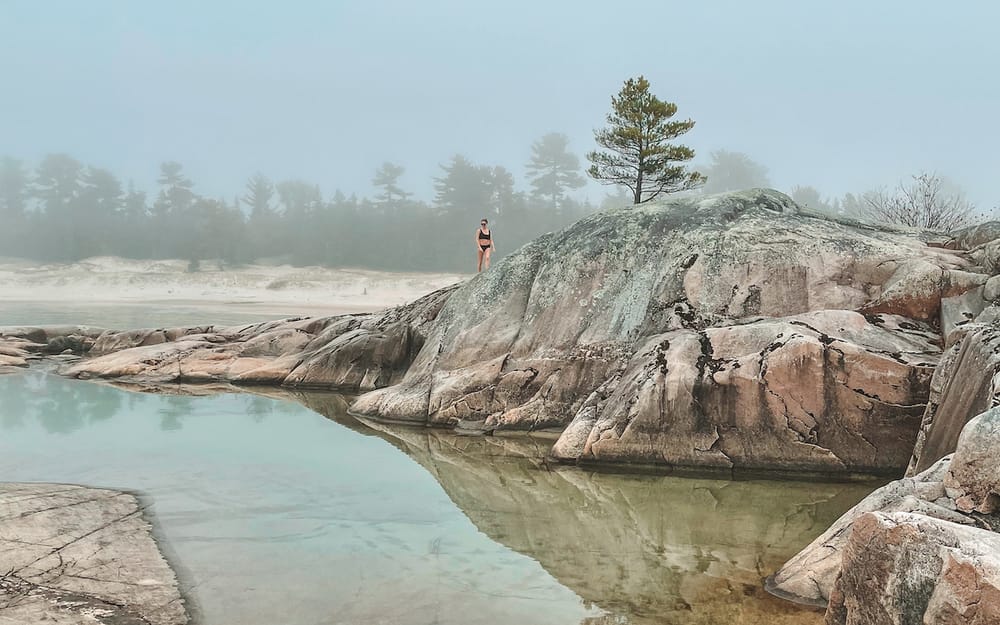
{"x":65,"y":210}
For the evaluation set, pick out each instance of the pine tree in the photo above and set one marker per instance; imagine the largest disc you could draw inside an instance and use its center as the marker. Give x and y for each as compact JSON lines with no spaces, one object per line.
{"x":259,"y":194}
{"x":387,"y":177}
{"x":552,"y":169}
{"x":639,"y":154}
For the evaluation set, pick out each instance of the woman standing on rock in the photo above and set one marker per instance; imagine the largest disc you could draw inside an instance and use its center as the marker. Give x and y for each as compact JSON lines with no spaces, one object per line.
{"x":484,"y":244}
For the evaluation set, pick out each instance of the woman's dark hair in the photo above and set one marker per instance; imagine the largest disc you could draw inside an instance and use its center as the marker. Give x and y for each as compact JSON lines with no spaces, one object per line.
{"x":485,"y":219}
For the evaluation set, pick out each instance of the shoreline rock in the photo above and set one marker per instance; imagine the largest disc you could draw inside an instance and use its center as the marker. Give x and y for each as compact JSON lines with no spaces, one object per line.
{"x":733,"y":331}
{"x":79,"y":555}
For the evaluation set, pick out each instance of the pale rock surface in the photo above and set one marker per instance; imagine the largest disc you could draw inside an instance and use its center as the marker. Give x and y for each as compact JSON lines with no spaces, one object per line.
{"x":872,"y":571}
{"x":973,"y":477}
{"x":959,"y":312}
{"x":81,"y":556}
{"x":965,"y":384}
{"x":21,"y":345}
{"x":355,"y":352}
{"x":564,"y":333}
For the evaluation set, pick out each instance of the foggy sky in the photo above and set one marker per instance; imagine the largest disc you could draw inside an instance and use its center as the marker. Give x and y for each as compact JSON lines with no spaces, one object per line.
{"x":842,"y":95}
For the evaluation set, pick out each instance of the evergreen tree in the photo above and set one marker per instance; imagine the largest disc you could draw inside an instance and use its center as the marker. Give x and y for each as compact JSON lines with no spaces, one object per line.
{"x":172,"y":212}
{"x":733,"y":171}
{"x":176,"y":195}
{"x":553,"y":170}
{"x":100,"y":207}
{"x":297,"y":235}
{"x":13,"y":204}
{"x":57,"y":187}
{"x":259,"y":195}
{"x":809,"y":197}
{"x":499,"y":186}
{"x":387,"y":178}
{"x":262,"y":225}
{"x":463,"y":189}
{"x":637,"y":138}
{"x":13,"y":190}
{"x":133,"y":233}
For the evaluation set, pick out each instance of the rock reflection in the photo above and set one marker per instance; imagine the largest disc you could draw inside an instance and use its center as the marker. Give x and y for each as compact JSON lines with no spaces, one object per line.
{"x":645,"y":549}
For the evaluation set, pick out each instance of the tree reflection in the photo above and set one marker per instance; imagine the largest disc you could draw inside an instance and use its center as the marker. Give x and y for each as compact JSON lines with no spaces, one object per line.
{"x":61,"y":408}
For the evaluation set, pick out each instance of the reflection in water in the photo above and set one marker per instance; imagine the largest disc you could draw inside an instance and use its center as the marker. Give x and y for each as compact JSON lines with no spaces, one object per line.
{"x":645,"y":549}
{"x":280,"y":516}
{"x":59,"y":409}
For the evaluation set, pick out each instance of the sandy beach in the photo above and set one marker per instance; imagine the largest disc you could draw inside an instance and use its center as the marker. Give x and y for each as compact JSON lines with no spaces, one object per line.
{"x":251,"y":289}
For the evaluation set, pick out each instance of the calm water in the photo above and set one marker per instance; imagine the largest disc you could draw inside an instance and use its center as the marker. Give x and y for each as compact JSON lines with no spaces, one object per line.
{"x":126,"y":316}
{"x":284,"y":510}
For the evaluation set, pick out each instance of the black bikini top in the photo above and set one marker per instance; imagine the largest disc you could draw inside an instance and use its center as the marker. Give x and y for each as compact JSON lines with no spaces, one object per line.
{"x":484,"y":235}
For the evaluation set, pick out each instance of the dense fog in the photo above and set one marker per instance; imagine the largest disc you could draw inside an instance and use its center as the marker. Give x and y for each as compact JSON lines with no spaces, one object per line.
{"x":378,"y":134}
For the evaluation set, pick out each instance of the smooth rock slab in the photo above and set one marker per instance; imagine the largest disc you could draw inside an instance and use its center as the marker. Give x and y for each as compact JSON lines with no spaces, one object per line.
{"x":74,"y":555}
{"x":973,"y":477}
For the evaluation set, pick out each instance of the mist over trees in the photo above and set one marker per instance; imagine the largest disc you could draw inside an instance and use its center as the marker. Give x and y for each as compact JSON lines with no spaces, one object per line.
{"x":733,"y":171}
{"x":64,"y":210}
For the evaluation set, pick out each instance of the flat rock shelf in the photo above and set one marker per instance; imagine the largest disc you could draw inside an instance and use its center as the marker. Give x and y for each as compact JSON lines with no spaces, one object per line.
{"x":76,"y":555}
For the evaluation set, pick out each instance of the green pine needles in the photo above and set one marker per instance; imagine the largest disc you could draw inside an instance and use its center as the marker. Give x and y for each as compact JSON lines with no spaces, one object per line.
{"x":638,"y":153}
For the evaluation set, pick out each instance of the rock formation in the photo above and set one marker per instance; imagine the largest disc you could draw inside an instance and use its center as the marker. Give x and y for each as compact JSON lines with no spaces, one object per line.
{"x":81,"y":556}
{"x":735,"y":331}
{"x":924,"y":547}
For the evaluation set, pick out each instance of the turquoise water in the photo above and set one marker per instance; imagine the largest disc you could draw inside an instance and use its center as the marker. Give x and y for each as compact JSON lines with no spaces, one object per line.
{"x":282,"y":509}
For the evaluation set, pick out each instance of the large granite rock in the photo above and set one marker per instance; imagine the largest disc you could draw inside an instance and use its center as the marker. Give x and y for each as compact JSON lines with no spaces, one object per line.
{"x":825,"y":391}
{"x":809,"y":576}
{"x":648,"y":332}
{"x":734,"y":331}
{"x":81,"y":556}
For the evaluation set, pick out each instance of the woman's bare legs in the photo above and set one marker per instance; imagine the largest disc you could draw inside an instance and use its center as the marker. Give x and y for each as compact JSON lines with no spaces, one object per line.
{"x":486,"y":257}
{"x":479,"y":263}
